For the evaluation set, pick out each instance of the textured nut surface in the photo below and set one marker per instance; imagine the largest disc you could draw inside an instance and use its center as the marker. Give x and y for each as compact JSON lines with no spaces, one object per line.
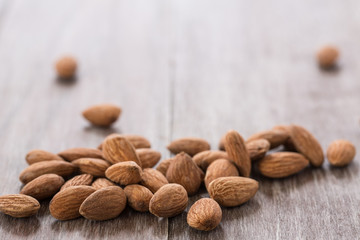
{"x":276,"y":137}
{"x":148,"y":157}
{"x":138,"y":197}
{"x":19,"y":205}
{"x":220,"y":168}
{"x":83,"y":179}
{"x":102,"y":183}
{"x":205,"y":158}
{"x":327,"y":56}
{"x":205,"y":214}
{"x":257,"y":148}
{"x":76,"y":153}
{"x":102,"y":115}
{"x":44,"y":186}
{"x":93,"y":166}
{"x":124,"y":173}
{"x":66,"y":67}
{"x":164,"y":165}
{"x":38,"y":155}
{"x":189,"y":145}
{"x":340,"y":153}
{"x":153,"y":179}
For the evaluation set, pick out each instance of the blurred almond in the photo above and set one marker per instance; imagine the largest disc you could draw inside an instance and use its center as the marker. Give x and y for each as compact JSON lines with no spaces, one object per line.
{"x":205,"y":158}
{"x":257,"y":148}
{"x":79,"y":180}
{"x":340,"y":153}
{"x":102,"y":183}
{"x":138,"y":197}
{"x":148,"y":157}
{"x":76,"y":153}
{"x":153,"y":179}
{"x":276,"y":137}
{"x":220,"y":168}
{"x":102,"y":115}
{"x":189,"y":145}
{"x":164,"y":165}
{"x":124,"y":173}
{"x":38,"y":155}
{"x":19,"y":205}
{"x":136,"y":140}
{"x":93,"y":166}
{"x":43,"y":187}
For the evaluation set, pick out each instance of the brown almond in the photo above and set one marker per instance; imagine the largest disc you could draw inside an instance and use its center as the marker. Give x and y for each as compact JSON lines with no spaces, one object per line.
{"x":66,"y":67}
{"x":148,"y":157}
{"x":66,"y":203}
{"x":276,"y":137}
{"x":222,"y":143}
{"x":104,"y":204}
{"x":232,"y":191}
{"x":102,"y":115}
{"x":44,"y":186}
{"x":164,"y":165}
{"x":237,"y":151}
{"x":288,"y":144}
{"x":79,"y":180}
{"x":76,"y":153}
{"x":205,"y":214}
{"x":153,"y":179}
{"x":19,"y":205}
{"x":340,"y":153}
{"x":138,"y":197}
{"x":102,"y":183}
{"x":35,"y":170}
{"x":170,"y":200}
{"x":205,"y":158}
{"x":38,"y":155}
{"x":136,"y":140}
{"x":93,"y":166}
{"x":282,"y":164}
{"x":189,"y":145}
{"x":220,"y":168}
{"x":327,"y":56}
{"x":257,"y":148}
{"x":124,"y":173}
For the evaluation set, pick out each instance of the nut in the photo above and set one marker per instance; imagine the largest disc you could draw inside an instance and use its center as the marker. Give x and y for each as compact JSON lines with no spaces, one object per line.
{"x":124,"y":173}
{"x":340,"y":153}
{"x":148,"y":157}
{"x":276,"y":137}
{"x":190,"y":145}
{"x":205,"y":214}
{"x":164,"y":165}
{"x":136,"y":140}
{"x":66,"y":67}
{"x":327,"y":56}
{"x":103,"y":115}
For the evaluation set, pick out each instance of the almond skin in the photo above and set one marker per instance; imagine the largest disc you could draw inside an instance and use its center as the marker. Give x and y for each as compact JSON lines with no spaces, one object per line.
{"x":136,"y":140}
{"x":205,"y":214}
{"x":38,"y":155}
{"x":190,"y":145}
{"x":93,"y":166}
{"x":327,"y":56}
{"x":35,"y":170}
{"x":170,"y":200}
{"x":66,"y":67}
{"x":340,"y":153}
{"x":232,"y":191}
{"x":124,"y":173}
{"x":164,"y":165}
{"x":306,"y":144}
{"x":118,"y":149}
{"x":138,"y":197}
{"x":79,"y":180}
{"x":288,"y":145}
{"x":104,"y":204}
{"x":43,"y":187}
{"x":205,"y":158}
{"x":102,"y":183}
{"x":19,"y":205}
{"x":257,"y":148}
{"x":276,"y":137}
{"x":148,"y":157}
{"x":220,"y":168}
{"x":153,"y":179}
{"x":76,"y":153}
{"x":282,"y":164}
{"x":237,"y":151}
{"x":103,"y":115}
{"x":65,"y":204}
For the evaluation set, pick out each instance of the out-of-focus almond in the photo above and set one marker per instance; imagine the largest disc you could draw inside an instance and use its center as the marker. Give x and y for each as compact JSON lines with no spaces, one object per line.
{"x":138,"y":197}
{"x":257,"y":148}
{"x":19,"y":205}
{"x":124,"y":173}
{"x":102,"y":115}
{"x":76,"y":153}
{"x":205,"y":214}
{"x":136,"y":140}
{"x":79,"y":180}
{"x":276,"y":137}
{"x":220,"y":168}
{"x":43,"y":187}
{"x":153,"y":179}
{"x":93,"y":166}
{"x":189,"y":145}
{"x":205,"y":158}
{"x":340,"y":153}
{"x":148,"y":157}
{"x":38,"y":155}
{"x":164,"y":165}
{"x":102,"y":183}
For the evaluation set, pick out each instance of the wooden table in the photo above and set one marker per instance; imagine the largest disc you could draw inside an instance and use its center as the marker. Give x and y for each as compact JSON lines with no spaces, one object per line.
{"x":185,"y":68}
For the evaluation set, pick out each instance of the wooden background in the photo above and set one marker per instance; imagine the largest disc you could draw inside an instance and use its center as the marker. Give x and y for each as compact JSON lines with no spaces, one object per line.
{"x":185,"y":68}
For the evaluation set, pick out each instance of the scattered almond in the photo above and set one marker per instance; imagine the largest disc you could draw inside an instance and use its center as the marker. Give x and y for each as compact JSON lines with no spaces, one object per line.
{"x":93,"y":166}
{"x":327,"y":56}
{"x":148,"y":157}
{"x":102,"y":115}
{"x":205,"y":214}
{"x":37,"y":155}
{"x":66,"y":67}
{"x":43,"y":187}
{"x":340,"y":153}
{"x":138,"y":197}
{"x":257,"y":148}
{"x":102,"y":183}
{"x":190,"y":145}
{"x":276,"y":137}
{"x":153,"y":179}
{"x":19,"y":205}
{"x":79,"y":180}
{"x":124,"y":173}
{"x":136,"y":140}
{"x":76,"y":153}
{"x":164,"y":165}
{"x":205,"y":158}
{"x":220,"y":168}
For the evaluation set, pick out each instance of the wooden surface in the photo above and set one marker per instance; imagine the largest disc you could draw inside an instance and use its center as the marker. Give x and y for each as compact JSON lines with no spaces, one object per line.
{"x":185,"y":68}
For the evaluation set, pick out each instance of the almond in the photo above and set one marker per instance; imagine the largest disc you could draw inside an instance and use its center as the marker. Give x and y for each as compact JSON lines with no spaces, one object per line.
{"x":66,"y":67}
{"x":190,"y":145}
{"x":276,"y":137}
{"x":170,"y":200}
{"x":306,"y":144}
{"x":153,"y":179}
{"x":340,"y":153}
{"x":43,"y":187}
{"x":148,"y":157}
{"x":222,"y":143}
{"x":124,"y":173}
{"x":205,"y":214}
{"x":282,"y":164}
{"x":136,"y":140}
{"x":236,"y":149}
{"x":102,"y":183}
{"x":288,"y":144}
{"x":79,"y":180}
{"x":37,"y":155}
{"x":35,"y":170}
{"x":118,"y":149}
{"x":205,"y":158}
{"x":76,"y":153}
{"x":66,"y":203}
{"x":327,"y":56}
{"x":93,"y":166}
{"x":164,"y":165}
{"x":232,"y":191}
{"x":138,"y":197}
{"x":104,"y":204}
{"x":257,"y":148}
{"x":19,"y":205}
{"x":185,"y":172}
{"x":102,"y":115}
{"x":220,"y":168}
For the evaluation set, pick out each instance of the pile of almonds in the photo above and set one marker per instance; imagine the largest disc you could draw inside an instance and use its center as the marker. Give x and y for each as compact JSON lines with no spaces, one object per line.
{"x":98,"y":183}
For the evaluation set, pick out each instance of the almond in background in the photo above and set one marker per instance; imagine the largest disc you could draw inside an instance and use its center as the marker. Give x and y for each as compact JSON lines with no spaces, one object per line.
{"x":164,"y":165}
{"x":124,"y":173}
{"x":220,"y":168}
{"x":19,"y":205}
{"x":103,"y":115}
{"x":153,"y":179}
{"x":76,"y":153}
{"x":205,"y":214}
{"x":205,"y":158}
{"x":38,"y":155}
{"x":83,"y":179}
{"x":138,"y":197}
{"x":189,"y":145}
{"x":148,"y":157}
{"x":102,"y":183}
{"x":275,"y":137}
{"x":93,"y":166}
{"x":44,"y":186}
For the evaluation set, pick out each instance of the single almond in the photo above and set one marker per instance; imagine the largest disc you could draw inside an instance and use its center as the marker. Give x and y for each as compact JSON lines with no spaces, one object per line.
{"x":44,"y":186}
{"x":66,"y":203}
{"x":93,"y":166}
{"x":257,"y":148}
{"x":276,"y":137}
{"x":19,"y":205}
{"x":66,"y":67}
{"x":220,"y":168}
{"x":104,"y":204}
{"x":136,"y":140}
{"x":76,"y":153}
{"x":38,"y":155}
{"x":124,"y":173}
{"x":232,"y":191}
{"x":205,"y":158}
{"x":205,"y":214}
{"x":340,"y":153}
{"x":153,"y":179}
{"x":164,"y":165}
{"x":327,"y":56}
{"x":189,"y":145}
{"x":102,"y":183}
{"x":79,"y":180}
{"x":170,"y":200}
{"x":148,"y":157}
{"x":282,"y":164}
{"x":138,"y":197}
{"x":35,"y":170}
{"x":102,"y":115}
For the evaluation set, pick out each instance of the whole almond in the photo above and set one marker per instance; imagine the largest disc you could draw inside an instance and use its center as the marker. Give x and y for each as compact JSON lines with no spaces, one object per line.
{"x":164,"y":165}
{"x":102,"y":115}
{"x":35,"y":170}
{"x":76,"y":153}
{"x":205,"y":158}
{"x":306,"y":144}
{"x":118,"y":149}
{"x":282,"y":164}
{"x":136,"y":140}
{"x":138,"y":197}
{"x":102,"y":183}
{"x":148,"y":157}
{"x":257,"y":148}
{"x":220,"y":168}
{"x":232,"y":191}
{"x":170,"y":200}
{"x":237,"y":151}
{"x":104,"y":204}
{"x":185,"y":172}
{"x":66,"y":203}
{"x":38,"y":155}
{"x":19,"y":205}
{"x":124,"y":173}
{"x":43,"y":187}
{"x":327,"y":56}
{"x":190,"y":145}
{"x":205,"y":214}
{"x":276,"y":137}
{"x":93,"y":166}
{"x":79,"y":180}
{"x":153,"y":179}
{"x":66,"y":67}
{"x":340,"y":153}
